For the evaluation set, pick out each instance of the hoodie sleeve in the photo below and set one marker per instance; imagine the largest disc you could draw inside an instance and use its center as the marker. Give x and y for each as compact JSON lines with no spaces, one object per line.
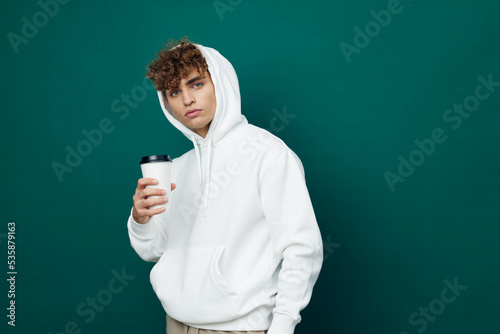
{"x":148,"y":240}
{"x":295,"y":236}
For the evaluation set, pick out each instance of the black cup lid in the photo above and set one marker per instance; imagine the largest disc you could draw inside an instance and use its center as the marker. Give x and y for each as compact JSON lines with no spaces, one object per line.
{"x":155,"y":158}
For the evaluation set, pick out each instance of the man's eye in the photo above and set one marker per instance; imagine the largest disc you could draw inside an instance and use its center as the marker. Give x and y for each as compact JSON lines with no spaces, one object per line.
{"x":174,"y":93}
{"x":197,"y":85}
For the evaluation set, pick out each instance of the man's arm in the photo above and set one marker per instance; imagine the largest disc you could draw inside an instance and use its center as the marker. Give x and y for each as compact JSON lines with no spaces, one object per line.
{"x":145,"y":227}
{"x":295,"y":236}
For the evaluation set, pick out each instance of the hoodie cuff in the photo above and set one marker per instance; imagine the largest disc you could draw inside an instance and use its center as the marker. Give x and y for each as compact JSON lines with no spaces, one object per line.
{"x":140,"y":230}
{"x":282,"y":324}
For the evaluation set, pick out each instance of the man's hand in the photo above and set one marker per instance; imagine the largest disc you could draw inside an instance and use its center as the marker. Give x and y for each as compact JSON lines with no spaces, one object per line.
{"x":142,"y":212}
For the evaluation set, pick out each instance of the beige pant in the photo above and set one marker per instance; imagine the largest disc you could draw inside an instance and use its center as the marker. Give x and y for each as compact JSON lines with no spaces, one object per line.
{"x":176,"y":327}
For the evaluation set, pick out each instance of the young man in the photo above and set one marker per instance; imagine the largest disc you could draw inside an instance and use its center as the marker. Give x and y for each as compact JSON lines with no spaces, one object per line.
{"x":239,"y":248}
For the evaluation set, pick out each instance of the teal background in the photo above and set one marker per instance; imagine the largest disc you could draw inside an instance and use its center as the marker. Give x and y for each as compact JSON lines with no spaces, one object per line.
{"x":387,"y":253}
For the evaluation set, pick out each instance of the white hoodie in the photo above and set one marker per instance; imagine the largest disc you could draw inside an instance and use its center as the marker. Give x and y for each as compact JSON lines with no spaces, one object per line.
{"x":239,"y":248}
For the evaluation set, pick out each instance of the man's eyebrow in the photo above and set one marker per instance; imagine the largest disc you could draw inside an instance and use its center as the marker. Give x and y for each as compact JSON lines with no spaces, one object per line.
{"x":190,"y":81}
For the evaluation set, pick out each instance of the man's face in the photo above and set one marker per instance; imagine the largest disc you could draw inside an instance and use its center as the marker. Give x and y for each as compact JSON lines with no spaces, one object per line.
{"x":193,"y":103}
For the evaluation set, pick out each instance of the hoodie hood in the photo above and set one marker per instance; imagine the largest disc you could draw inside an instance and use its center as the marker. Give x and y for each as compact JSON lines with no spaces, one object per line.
{"x":227,"y":113}
{"x":227,"y":94}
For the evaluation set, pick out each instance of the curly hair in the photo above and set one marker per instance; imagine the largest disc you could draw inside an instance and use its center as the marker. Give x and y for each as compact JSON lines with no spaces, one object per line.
{"x":174,"y":62}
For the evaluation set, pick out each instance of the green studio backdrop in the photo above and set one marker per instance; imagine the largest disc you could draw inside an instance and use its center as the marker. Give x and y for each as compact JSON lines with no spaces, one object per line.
{"x":392,"y":106}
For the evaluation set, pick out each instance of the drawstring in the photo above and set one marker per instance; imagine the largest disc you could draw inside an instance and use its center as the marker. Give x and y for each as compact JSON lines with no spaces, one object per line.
{"x":198,"y":156}
{"x":207,"y":183}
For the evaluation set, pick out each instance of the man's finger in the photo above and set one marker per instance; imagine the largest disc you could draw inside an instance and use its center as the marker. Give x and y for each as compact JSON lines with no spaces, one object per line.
{"x":147,"y":203}
{"x":153,"y":192}
{"x":142,"y":183}
{"x":152,"y":212}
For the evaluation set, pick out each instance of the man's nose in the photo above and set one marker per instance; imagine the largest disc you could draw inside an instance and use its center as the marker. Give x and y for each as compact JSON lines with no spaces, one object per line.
{"x":188,"y":98}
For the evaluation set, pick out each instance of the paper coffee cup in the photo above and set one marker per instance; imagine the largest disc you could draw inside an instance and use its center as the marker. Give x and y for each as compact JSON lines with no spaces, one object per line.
{"x":158,"y":167}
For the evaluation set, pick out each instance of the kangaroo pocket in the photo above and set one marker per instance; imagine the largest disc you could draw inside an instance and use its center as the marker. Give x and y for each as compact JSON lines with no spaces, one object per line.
{"x":191,"y":288}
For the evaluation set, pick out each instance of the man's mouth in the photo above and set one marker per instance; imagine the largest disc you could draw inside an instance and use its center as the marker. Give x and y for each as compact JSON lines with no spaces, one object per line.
{"x":193,"y":112}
